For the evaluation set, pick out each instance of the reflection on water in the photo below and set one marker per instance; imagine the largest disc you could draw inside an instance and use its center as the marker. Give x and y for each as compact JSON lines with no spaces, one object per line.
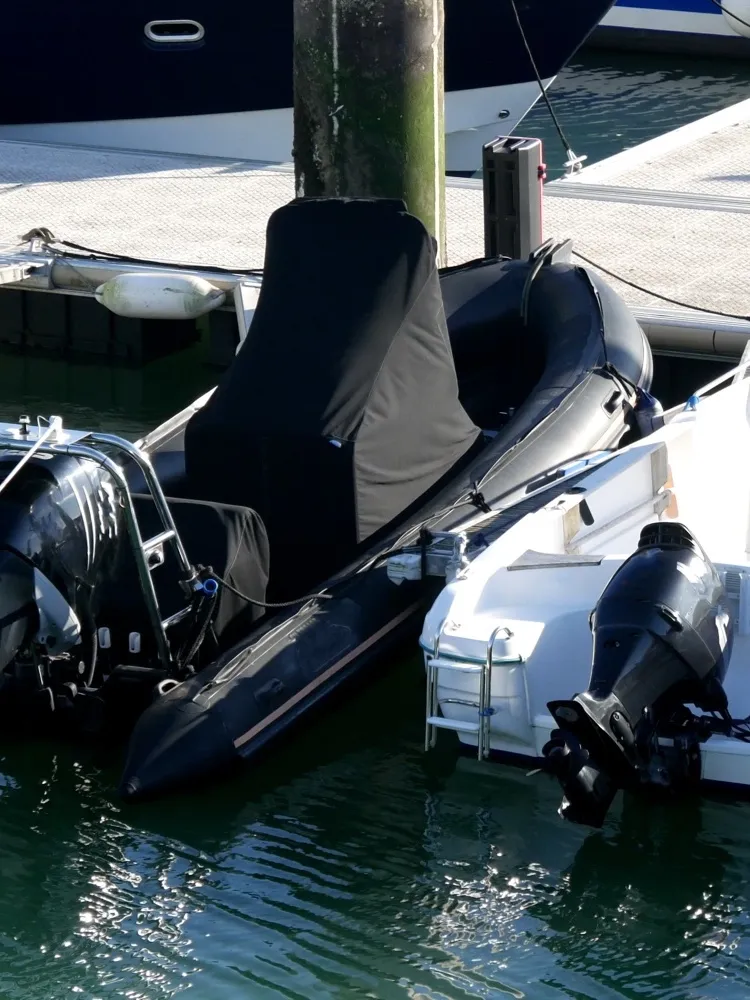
{"x":354,"y":866}
{"x":349,"y":865}
{"x":125,"y":401}
{"x":607,"y":101}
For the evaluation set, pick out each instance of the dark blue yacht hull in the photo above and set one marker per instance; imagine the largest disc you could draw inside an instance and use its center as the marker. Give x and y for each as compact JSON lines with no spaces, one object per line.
{"x":102,"y":65}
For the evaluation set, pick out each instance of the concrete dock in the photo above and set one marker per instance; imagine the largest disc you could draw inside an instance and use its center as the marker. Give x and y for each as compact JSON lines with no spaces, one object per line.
{"x":670,"y":215}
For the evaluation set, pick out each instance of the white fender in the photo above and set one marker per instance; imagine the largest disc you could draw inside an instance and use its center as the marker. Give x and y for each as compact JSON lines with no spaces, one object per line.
{"x":159,"y":296}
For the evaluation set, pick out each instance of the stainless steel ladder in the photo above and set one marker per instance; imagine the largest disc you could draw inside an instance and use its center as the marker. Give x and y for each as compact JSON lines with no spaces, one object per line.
{"x":51,"y":440}
{"x":485,"y":711}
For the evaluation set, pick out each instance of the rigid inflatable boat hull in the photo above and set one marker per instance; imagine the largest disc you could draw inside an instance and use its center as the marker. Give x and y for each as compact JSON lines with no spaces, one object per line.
{"x":253,"y":694}
{"x":418,"y":409}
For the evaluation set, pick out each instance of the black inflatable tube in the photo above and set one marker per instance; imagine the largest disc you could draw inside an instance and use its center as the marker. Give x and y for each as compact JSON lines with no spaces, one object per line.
{"x":252,"y":694}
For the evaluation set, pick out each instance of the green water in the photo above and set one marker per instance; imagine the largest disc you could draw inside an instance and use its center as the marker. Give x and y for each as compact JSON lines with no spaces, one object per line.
{"x":608,"y":101}
{"x":350,"y":864}
{"x":118,"y":400}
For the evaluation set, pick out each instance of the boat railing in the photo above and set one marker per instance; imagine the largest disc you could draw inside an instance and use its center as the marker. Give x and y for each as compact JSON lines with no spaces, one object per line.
{"x":435,"y":661}
{"x":49,"y":437}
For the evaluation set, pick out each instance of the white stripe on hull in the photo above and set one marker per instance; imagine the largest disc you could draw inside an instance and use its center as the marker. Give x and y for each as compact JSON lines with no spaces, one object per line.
{"x":680,"y":21}
{"x":472,"y":117}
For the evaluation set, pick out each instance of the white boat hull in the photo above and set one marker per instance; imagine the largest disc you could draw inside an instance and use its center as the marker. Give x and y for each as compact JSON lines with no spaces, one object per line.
{"x":472,"y":118}
{"x":678,"y":21}
{"x":542,"y":578}
{"x":703,"y":28}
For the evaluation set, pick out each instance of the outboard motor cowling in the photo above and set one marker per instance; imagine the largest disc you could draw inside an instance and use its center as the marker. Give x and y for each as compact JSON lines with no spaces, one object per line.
{"x":59,"y":534}
{"x":662,"y":640}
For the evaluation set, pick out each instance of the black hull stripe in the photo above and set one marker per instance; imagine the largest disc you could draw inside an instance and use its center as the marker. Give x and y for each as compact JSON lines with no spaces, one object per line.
{"x":326,"y":675}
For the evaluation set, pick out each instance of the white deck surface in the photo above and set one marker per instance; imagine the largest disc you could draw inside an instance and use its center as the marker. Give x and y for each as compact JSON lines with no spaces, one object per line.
{"x":670,"y":215}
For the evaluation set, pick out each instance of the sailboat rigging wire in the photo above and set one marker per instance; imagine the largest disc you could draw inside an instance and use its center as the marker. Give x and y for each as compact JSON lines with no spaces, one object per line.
{"x":657,"y":295}
{"x":728,"y":13}
{"x":48,"y":238}
{"x":574,"y":162}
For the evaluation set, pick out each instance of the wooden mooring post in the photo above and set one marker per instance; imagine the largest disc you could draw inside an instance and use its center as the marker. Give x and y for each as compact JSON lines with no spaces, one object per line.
{"x":369,"y":103}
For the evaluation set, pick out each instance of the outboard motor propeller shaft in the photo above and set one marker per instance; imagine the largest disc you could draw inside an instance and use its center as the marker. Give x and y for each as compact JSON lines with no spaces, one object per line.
{"x":662,"y":640}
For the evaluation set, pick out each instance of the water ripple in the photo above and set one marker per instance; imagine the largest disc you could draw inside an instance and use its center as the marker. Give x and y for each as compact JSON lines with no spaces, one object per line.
{"x":349,"y":865}
{"x":365,"y":873}
{"x":608,"y":101}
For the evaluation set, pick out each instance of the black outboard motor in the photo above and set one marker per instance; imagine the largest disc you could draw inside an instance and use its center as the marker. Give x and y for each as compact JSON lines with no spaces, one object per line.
{"x":662,"y":641}
{"x":59,"y":526}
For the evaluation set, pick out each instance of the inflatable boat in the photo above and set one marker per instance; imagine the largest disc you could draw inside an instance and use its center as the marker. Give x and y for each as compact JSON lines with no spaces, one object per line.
{"x":204,"y":588}
{"x":605,"y":637}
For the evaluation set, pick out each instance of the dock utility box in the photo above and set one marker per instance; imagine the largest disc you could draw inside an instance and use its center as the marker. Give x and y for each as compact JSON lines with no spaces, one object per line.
{"x":514,"y":172}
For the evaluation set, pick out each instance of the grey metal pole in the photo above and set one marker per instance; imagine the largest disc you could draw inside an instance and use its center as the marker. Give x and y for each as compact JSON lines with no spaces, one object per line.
{"x":369,"y":103}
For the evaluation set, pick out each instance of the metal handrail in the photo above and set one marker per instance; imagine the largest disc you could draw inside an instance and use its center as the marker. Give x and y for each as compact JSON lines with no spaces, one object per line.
{"x":144,"y":464}
{"x":485,"y":694}
{"x":77,"y":450}
{"x":470,"y":659}
{"x":733,"y":373}
{"x":430,"y":734}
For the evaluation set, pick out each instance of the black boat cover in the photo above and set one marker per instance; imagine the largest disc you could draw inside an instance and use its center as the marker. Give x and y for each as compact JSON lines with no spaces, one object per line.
{"x":232,"y":540}
{"x":341,"y":408}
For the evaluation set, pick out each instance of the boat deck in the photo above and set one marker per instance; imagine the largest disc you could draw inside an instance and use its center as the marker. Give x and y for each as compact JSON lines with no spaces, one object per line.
{"x":669,"y":215}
